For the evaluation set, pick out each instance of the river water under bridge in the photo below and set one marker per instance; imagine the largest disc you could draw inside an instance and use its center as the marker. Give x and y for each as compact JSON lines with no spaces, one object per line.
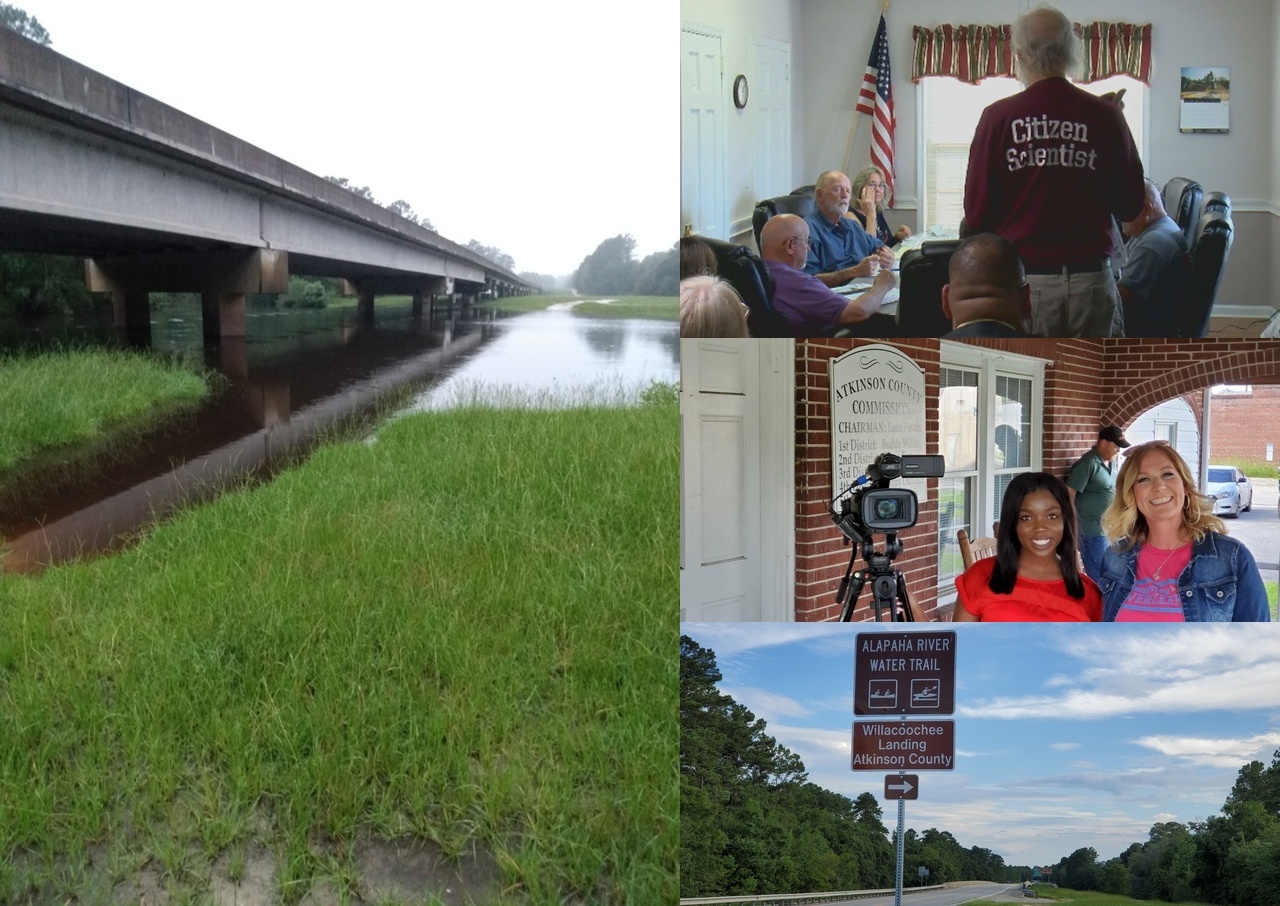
{"x":299,"y":375}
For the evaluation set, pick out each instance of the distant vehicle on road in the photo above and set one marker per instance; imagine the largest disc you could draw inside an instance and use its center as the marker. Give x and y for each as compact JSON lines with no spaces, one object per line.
{"x":1231,"y":490}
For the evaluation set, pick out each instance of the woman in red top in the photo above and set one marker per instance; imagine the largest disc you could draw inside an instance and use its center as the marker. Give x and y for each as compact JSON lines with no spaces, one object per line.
{"x":1035,"y":575}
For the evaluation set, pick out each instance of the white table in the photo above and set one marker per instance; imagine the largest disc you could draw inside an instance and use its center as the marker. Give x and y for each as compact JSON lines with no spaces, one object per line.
{"x":888,"y":306}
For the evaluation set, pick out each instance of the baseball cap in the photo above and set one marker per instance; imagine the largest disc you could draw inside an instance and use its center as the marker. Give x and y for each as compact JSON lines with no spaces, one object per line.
{"x":1113,"y":434}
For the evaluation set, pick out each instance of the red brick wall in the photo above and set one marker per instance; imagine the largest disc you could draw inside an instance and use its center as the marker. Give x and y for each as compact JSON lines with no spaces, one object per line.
{"x":1240,"y":427}
{"x":1087,"y":383}
{"x":821,"y":554}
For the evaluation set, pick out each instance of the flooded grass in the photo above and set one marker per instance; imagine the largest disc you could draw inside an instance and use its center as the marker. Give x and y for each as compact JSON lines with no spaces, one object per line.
{"x":610,"y":394}
{"x":456,"y":635}
{"x":664,"y":308}
{"x":111,"y":389}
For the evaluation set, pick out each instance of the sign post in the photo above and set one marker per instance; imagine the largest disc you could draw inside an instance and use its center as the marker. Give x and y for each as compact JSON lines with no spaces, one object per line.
{"x":902,"y":675}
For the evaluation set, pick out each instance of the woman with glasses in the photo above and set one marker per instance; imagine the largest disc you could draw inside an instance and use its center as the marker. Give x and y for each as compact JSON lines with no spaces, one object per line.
{"x":868,"y":207}
{"x":1170,"y":560}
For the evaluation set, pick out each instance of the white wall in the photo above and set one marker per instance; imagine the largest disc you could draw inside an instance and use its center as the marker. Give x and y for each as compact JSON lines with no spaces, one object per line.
{"x":740,"y":22}
{"x":1241,"y":34}
{"x":1142,"y":428}
{"x":1273,"y":222}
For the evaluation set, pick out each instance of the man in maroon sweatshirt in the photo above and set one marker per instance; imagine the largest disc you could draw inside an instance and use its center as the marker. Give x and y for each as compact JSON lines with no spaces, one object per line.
{"x":1048,"y":168}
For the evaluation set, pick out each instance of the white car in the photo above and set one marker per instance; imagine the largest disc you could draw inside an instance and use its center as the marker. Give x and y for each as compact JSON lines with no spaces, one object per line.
{"x":1231,"y":490}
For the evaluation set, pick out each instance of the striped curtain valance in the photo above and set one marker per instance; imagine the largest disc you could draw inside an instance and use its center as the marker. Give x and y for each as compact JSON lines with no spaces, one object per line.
{"x":969,"y":53}
{"x":972,"y":53}
{"x":1115,"y":48}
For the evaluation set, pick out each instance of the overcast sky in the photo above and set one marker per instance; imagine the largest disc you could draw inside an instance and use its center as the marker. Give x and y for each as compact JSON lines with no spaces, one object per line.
{"x":541,"y":129}
{"x":1065,"y":736}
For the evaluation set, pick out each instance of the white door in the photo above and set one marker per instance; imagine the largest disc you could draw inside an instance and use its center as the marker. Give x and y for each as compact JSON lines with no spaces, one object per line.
{"x":770,"y":103}
{"x":702,"y":134}
{"x":737,"y":489}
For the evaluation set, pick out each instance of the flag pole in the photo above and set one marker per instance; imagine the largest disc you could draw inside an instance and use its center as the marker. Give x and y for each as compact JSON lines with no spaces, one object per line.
{"x":857,"y":119}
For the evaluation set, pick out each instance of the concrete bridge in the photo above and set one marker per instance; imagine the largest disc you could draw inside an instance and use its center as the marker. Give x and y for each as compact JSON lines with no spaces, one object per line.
{"x":158,"y":201}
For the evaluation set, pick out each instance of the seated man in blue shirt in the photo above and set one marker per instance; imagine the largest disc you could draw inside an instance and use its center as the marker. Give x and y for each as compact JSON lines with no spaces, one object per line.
{"x":1154,"y":274}
{"x":839,"y":249}
{"x":811,"y":307}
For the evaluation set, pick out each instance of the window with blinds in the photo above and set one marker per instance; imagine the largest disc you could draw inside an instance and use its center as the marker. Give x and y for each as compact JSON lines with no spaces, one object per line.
{"x":989,"y":431}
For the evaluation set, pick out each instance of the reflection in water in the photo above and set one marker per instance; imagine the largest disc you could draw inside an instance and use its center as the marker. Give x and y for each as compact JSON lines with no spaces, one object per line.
{"x":298,"y":374}
{"x":568,"y":356}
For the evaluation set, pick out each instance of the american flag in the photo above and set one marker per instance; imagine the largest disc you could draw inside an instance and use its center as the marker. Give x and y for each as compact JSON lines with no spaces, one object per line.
{"x":876,"y":99}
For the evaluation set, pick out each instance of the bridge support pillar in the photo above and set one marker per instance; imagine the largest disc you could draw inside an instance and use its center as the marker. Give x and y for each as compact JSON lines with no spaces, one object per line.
{"x":364,"y":307}
{"x":132,"y":312}
{"x":223,"y":315}
{"x":417,"y":304}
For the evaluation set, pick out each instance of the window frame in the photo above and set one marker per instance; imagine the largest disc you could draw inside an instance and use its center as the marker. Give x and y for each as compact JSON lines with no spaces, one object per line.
{"x":989,"y":366}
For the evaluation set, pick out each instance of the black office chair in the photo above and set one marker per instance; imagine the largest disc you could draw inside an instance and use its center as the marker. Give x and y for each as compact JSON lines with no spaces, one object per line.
{"x":1150,"y":317}
{"x":921,"y":275}
{"x":1217,"y":201}
{"x":800,"y":205}
{"x":804,"y":190}
{"x":1183,"y":198}
{"x":1210,"y":246}
{"x":747,"y":274}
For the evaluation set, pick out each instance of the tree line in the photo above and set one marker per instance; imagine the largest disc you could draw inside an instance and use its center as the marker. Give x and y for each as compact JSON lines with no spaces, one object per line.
{"x":751,"y":822}
{"x":612,"y":269}
{"x":1232,"y":858}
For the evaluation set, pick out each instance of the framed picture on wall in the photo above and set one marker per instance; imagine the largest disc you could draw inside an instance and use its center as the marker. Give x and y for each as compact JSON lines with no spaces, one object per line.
{"x":1205,"y":99}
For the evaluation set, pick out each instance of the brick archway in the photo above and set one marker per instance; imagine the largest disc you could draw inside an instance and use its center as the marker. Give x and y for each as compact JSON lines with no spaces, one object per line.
{"x":1259,"y":365}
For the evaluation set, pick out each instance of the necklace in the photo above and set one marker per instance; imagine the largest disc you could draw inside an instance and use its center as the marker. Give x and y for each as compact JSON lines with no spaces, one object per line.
{"x":1156,"y":574}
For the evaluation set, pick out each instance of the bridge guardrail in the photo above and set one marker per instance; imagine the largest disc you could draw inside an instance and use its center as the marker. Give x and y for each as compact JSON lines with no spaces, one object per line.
{"x":787,"y":899}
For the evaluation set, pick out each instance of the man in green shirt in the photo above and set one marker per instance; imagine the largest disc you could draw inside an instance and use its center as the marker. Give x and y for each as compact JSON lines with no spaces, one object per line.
{"x":1091,"y":484}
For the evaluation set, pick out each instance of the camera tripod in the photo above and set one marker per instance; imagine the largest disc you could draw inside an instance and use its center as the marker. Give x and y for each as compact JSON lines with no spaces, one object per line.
{"x":888,"y":585}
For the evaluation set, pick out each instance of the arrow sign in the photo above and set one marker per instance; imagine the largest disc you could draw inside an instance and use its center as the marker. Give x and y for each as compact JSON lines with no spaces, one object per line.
{"x":902,"y":786}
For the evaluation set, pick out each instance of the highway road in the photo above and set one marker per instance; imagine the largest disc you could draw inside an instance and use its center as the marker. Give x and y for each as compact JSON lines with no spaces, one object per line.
{"x":952,"y":897}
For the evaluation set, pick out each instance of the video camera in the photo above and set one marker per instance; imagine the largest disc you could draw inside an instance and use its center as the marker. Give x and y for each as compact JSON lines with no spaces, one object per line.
{"x":869,"y":506}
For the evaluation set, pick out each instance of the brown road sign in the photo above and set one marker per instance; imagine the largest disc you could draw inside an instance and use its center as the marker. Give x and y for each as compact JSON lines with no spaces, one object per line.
{"x":901,"y":786}
{"x":904,"y":745}
{"x":905,"y":673}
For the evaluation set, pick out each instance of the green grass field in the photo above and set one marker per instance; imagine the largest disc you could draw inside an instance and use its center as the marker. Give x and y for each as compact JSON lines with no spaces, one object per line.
{"x":458,"y":633}
{"x":112,"y":388}
{"x":1088,"y":898}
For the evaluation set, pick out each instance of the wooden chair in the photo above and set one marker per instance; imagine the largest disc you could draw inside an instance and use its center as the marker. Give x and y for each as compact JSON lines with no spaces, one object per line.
{"x":977,"y":549}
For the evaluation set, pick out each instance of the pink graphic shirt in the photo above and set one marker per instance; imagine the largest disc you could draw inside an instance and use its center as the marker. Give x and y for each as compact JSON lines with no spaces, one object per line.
{"x":1155,"y":600}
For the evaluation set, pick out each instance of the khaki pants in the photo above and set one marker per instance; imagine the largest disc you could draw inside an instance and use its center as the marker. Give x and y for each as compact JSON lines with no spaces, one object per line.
{"x":1076,"y":305}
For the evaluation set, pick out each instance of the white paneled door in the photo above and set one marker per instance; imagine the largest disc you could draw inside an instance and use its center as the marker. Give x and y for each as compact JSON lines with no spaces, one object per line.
{"x":702,"y":134}
{"x":770,"y":106}
{"x":736,"y":475}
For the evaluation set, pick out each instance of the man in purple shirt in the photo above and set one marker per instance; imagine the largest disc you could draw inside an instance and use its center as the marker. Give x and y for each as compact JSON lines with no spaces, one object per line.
{"x":812,"y":308}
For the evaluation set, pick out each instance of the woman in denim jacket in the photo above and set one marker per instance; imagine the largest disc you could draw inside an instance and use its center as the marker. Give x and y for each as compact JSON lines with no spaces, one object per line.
{"x":1170,"y":559}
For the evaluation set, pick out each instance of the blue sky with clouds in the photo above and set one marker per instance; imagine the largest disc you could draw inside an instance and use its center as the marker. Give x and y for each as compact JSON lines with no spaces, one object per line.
{"x":1066,"y":736}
